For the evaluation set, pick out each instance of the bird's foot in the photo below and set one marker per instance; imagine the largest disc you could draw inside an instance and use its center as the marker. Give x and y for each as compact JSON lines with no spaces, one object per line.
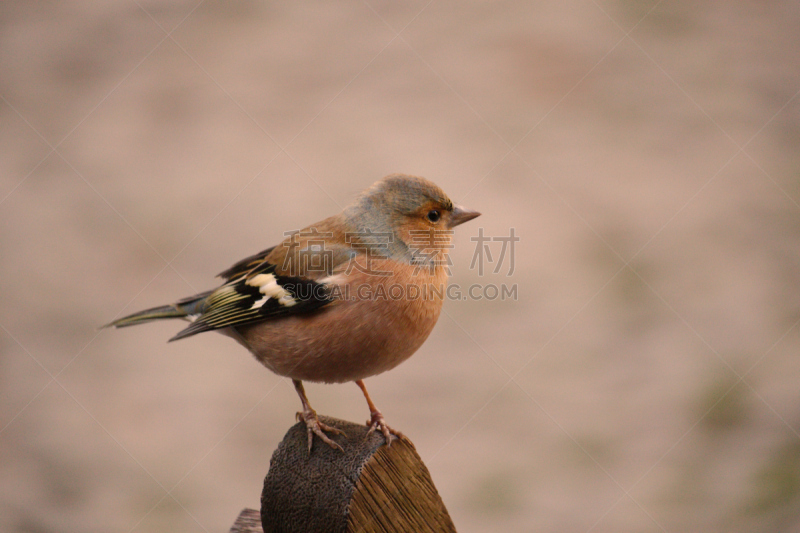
{"x":315,"y":427}
{"x":376,"y":421}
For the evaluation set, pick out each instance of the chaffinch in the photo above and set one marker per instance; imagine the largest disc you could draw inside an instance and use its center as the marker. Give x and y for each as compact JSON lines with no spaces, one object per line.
{"x":344,"y":299}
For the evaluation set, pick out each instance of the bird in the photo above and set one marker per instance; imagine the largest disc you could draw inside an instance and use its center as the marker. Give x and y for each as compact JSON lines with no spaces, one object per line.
{"x":344,"y":299}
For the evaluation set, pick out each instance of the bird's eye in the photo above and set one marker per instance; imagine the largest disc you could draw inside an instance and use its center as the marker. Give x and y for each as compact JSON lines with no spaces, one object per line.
{"x":434,"y":215}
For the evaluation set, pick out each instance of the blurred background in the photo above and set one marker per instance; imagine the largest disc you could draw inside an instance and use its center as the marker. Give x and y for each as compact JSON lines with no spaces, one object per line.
{"x":646,"y":154}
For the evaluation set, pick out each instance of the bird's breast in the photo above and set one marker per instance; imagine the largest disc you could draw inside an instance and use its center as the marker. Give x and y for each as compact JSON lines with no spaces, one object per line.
{"x":375,"y":322}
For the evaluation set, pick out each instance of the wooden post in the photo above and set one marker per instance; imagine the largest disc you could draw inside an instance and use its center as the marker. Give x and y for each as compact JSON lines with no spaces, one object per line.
{"x":368,"y":488}
{"x":249,"y":521}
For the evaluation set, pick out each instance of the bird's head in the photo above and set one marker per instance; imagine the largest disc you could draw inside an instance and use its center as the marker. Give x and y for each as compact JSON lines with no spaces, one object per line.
{"x":415,"y":212}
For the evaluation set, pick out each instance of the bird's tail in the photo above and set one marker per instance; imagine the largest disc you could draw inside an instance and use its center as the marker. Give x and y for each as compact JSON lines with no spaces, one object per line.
{"x":193,"y":305}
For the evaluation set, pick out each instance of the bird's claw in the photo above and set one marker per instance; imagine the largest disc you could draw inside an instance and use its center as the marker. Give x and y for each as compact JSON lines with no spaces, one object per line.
{"x":377,"y":421}
{"x":315,"y":427}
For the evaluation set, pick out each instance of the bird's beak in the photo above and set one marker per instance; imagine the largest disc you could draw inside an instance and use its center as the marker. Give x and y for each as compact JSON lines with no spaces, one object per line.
{"x":460,"y":214}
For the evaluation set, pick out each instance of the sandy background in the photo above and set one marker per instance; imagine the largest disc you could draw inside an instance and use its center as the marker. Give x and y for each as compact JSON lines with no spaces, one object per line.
{"x":646,"y":153}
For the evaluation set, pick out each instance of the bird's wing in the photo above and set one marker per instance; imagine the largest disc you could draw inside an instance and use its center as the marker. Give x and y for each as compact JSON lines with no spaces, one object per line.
{"x":259,"y":294}
{"x":316,"y":251}
{"x":279,"y":281}
{"x":245,"y":265}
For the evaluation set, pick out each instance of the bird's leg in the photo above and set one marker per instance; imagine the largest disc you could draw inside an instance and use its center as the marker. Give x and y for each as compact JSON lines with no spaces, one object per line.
{"x":376,"y":420}
{"x":313,"y":425}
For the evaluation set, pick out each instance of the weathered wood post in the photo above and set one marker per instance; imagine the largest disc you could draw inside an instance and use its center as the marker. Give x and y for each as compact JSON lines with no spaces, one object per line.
{"x":370,"y":488}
